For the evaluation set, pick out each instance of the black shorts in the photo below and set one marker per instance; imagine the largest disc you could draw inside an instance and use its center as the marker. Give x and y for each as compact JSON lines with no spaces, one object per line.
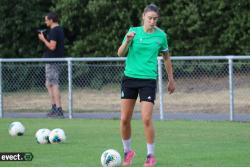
{"x":131,"y":87}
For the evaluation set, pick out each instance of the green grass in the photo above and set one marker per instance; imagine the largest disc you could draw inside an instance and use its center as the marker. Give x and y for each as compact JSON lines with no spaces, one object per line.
{"x":178,"y":143}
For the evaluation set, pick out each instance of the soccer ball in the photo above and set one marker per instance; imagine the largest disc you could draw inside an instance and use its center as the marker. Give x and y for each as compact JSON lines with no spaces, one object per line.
{"x":16,"y":129}
{"x":111,"y":158}
{"x":57,"y":136}
{"x":42,"y":136}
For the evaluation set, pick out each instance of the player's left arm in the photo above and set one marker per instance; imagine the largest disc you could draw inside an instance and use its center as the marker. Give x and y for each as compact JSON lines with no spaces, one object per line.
{"x":169,"y":69}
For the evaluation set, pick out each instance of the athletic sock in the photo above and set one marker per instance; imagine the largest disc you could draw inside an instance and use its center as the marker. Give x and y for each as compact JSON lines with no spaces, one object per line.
{"x":126,"y":145}
{"x":151,"y":149}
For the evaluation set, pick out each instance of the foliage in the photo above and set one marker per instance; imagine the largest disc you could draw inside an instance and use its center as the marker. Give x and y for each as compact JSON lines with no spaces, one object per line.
{"x":18,"y":29}
{"x":96,"y":27}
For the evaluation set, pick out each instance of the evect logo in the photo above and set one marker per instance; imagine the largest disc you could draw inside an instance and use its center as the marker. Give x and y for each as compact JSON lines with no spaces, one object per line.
{"x":16,"y":156}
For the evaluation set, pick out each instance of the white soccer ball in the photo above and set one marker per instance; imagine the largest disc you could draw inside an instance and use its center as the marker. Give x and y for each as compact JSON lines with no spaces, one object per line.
{"x":16,"y":129}
{"x":42,"y":136}
{"x":57,"y":136}
{"x":111,"y":158}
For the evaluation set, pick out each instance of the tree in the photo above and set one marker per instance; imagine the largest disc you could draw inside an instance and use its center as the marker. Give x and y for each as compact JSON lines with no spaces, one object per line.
{"x":97,"y":27}
{"x":18,"y":29}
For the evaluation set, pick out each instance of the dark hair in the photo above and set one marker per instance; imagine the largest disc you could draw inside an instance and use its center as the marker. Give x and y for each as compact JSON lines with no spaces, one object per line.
{"x":151,"y":8}
{"x":52,"y":16}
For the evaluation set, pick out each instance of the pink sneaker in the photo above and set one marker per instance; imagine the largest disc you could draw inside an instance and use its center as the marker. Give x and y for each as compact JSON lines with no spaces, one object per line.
{"x":128,"y":158}
{"x":150,"y":161}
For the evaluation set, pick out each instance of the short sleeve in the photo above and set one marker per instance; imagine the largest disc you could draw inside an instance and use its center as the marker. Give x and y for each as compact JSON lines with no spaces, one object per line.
{"x":164,"y":47}
{"x":125,"y":37}
{"x":53,"y":35}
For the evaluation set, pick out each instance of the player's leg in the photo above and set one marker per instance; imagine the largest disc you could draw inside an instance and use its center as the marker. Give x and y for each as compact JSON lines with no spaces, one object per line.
{"x":128,"y":100}
{"x":147,"y":97}
{"x":127,"y":107}
{"x":147,"y":110}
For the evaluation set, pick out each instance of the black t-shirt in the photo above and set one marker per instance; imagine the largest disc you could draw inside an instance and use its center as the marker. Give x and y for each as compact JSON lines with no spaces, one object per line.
{"x":55,"y":34}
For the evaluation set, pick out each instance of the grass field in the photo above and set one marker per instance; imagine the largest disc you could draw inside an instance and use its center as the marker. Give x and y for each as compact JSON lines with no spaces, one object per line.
{"x":178,"y":143}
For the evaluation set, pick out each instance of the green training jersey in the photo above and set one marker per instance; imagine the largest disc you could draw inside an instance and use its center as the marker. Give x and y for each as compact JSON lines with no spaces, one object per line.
{"x":142,"y":53}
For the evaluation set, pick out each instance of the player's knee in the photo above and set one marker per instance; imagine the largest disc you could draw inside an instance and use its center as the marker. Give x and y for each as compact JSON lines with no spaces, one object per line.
{"x":125,"y":121}
{"x":147,"y":122}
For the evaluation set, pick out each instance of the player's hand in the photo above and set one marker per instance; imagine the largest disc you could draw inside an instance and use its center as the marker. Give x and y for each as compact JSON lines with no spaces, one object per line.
{"x":171,"y":86}
{"x":130,"y":36}
{"x":41,"y":36}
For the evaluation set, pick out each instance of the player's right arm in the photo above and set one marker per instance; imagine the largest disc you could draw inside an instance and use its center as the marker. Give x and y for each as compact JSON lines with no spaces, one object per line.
{"x":123,"y":49}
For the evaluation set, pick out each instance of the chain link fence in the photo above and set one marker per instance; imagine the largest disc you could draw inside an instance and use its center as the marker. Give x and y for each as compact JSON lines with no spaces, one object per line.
{"x":202,"y":89}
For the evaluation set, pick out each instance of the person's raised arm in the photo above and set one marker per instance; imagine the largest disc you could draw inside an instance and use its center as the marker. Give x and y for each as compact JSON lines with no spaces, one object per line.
{"x":123,"y":49}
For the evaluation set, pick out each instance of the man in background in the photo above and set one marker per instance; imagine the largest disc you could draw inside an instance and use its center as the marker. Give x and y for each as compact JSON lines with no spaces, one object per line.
{"x":54,"y":43}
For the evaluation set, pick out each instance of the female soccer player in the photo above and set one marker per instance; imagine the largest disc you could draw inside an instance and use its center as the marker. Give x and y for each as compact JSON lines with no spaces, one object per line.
{"x":142,"y":45}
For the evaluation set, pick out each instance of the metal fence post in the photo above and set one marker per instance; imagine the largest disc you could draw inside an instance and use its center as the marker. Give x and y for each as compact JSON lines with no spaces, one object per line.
{"x":160,"y":89}
{"x":69,"y":62}
{"x":231,"y":88}
{"x":1,"y":97}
